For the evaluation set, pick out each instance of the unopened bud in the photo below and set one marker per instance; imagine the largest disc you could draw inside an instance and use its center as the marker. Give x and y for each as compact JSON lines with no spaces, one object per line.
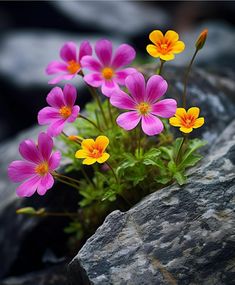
{"x":26,"y":210}
{"x":201,"y":39}
{"x":75,"y":138}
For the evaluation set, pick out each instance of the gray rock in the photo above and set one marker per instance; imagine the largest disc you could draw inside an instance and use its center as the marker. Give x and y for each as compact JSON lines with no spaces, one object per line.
{"x":178,"y":235}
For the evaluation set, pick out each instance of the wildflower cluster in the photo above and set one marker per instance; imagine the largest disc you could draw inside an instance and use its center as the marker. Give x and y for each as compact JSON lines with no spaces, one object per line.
{"x":124,"y":134}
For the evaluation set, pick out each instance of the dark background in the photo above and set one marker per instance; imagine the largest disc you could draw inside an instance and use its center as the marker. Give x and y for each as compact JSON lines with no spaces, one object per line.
{"x":33,"y":32}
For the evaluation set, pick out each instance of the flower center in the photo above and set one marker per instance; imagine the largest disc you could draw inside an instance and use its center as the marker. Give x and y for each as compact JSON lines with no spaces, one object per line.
{"x":65,"y":111}
{"x":73,"y":66}
{"x":188,"y":122}
{"x":95,"y":153}
{"x":164,"y":46}
{"x":107,"y":73}
{"x":42,"y":168}
{"x":143,"y":108}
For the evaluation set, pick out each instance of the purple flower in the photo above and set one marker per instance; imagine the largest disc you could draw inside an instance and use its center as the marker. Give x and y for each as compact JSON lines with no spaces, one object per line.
{"x":36,"y":168}
{"x":143,"y":103}
{"x":108,"y":70}
{"x":71,"y":64}
{"x":62,"y":109}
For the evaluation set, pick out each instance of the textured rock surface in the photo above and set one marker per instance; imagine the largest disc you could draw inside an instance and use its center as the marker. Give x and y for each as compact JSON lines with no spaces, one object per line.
{"x":179,"y":235}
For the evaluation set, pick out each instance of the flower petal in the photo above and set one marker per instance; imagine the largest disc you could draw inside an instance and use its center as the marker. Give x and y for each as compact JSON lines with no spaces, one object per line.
{"x":108,"y":87}
{"x":152,"y":50}
{"x":121,"y":75}
{"x":88,"y":144}
{"x":48,"y":115}
{"x":74,"y":114}
{"x":151,"y":125}
{"x":180,"y":112}
{"x":94,"y":79}
{"x":124,"y":55}
{"x":156,"y":36}
{"x":56,"y":128}
{"x":81,"y":153}
{"x":186,"y":130}
{"x":136,"y":85}
{"x":194,"y":112}
{"x":171,"y":36}
{"x":178,"y":47}
{"x":70,"y":95}
{"x":45,"y":145}
{"x":85,"y":49}
{"x":90,"y":63}
{"x":128,"y":120}
{"x":68,"y":51}
{"x":55,"y":98}
{"x":89,"y":161}
{"x":167,"y":57}
{"x":105,"y":156}
{"x":176,"y":122}
{"x":198,"y":123}
{"x":101,"y":143}
{"x":156,"y":87}
{"x":46,"y":182}
{"x":103,"y":49}
{"x":20,"y":170}
{"x":29,"y":187}
{"x":54,"y":160}
{"x":62,"y":77}
{"x":165,"y":108}
{"x":29,"y":151}
{"x":56,"y":66}
{"x":122,"y":100}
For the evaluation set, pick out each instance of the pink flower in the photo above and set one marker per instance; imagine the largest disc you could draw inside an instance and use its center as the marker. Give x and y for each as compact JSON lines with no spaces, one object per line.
{"x":143,"y":103}
{"x":108,"y":71}
{"x":62,"y":109}
{"x":71,"y":64}
{"x":36,"y":168}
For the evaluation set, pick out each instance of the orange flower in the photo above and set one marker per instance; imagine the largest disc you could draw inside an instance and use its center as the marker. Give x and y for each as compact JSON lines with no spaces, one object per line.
{"x":187,"y":121}
{"x":164,"y":45}
{"x":93,"y":151}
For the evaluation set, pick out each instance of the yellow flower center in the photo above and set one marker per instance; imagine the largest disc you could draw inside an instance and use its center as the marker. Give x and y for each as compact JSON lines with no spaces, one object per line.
{"x":143,"y":108}
{"x":188,"y":121}
{"x":95,"y":153}
{"x":73,"y":66}
{"x":107,"y":73}
{"x":164,"y":46}
{"x":42,"y":168}
{"x":65,"y":111}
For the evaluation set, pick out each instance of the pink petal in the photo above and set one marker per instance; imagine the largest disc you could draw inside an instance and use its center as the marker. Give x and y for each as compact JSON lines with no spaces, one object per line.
{"x":90,"y":63}
{"x":85,"y":49}
{"x":70,"y":95}
{"x":47,"y":115}
{"x":74,"y":114}
{"x":165,"y":108}
{"x":128,"y":120}
{"x":156,"y":87}
{"x":29,"y":151}
{"x":136,"y":85}
{"x":94,"y":79}
{"x":103,"y":49}
{"x":56,"y":66}
{"x":151,"y":125}
{"x":45,"y":145}
{"x":124,"y":55}
{"x":20,"y":170}
{"x":121,"y":75}
{"x":56,"y":128}
{"x":68,"y":51}
{"x":108,"y":87}
{"x":62,"y":77}
{"x":46,"y":182}
{"x":54,"y":160}
{"x":29,"y":187}
{"x":122,"y":100}
{"x":56,"y":98}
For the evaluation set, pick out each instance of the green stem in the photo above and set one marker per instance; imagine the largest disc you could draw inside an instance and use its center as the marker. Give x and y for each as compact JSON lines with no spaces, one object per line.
{"x":59,"y":214}
{"x":87,"y":178}
{"x":187,"y":77}
{"x":110,"y":112}
{"x":180,"y":150}
{"x":139,"y":140}
{"x":159,"y":71}
{"x":114,"y":174}
{"x":91,"y":122}
{"x":67,"y":183}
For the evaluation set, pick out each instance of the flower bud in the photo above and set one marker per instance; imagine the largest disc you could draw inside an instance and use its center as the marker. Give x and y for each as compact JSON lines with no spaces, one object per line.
{"x":26,"y":210}
{"x":201,"y":39}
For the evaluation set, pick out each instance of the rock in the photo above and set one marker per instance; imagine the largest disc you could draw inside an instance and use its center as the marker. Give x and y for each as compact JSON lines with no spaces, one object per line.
{"x":178,"y":235}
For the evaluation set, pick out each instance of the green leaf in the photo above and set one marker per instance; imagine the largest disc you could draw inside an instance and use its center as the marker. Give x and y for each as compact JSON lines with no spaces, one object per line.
{"x":163,"y":179}
{"x":177,"y":146}
{"x":180,"y":178}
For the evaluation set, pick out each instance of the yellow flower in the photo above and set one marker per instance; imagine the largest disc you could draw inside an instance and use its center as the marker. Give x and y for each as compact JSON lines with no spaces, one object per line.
{"x":164,"y":46}
{"x":93,"y":151}
{"x":187,"y":121}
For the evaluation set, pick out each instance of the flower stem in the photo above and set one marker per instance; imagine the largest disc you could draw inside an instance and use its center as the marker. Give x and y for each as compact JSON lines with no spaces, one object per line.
{"x":110,"y":112}
{"x":55,"y":214}
{"x":67,"y":180}
{"x":139,"y":141}
{"x":87,"y":178}
{"x":159,"y":70}
{"x":187,"y":77}
{"x":114,"y":174}
{"x":177,"y":160}
{"x":91,"y":122}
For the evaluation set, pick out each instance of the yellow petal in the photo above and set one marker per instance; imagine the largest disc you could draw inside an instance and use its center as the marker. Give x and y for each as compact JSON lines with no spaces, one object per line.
{"x":103,"y":158}
{"x":178,"y":47}
{"x":186,"y":130}
{"x":87,"y":144}
{"x":194,"y":111}
{"x":171,"y":36}
{"x":101,"y":142}
{"x":180,"y":112}
{"x":167,"y":57}
{"x":155,"y":36}
{"x":175,"y":122}
{"x":81,"y":153}
{"x":152,"y":50}
{"x":199,"y":122}
{"x":89,"y":161}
